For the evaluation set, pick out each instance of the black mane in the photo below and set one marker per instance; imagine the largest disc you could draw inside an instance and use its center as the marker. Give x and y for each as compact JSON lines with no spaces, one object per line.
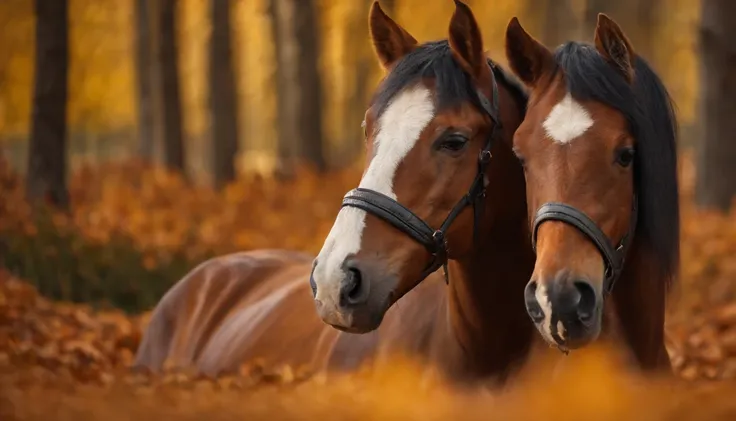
{"x":648,"y":108}
{"x":453,"y":85}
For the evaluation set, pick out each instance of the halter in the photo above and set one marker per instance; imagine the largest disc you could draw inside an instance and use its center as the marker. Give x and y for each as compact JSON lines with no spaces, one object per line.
{"x":406,"y":221}
{"x":613,"y":257}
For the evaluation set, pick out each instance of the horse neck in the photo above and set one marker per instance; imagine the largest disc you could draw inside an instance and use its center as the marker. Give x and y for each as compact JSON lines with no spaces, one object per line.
{"x":487,"y":316}
{"x":637,"y":313}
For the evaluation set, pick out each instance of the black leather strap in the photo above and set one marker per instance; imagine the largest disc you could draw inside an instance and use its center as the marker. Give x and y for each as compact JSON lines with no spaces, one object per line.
{"x":392,"y":212}
{"x":613,"y":256}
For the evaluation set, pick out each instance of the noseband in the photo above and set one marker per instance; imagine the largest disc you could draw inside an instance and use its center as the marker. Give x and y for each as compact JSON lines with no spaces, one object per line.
{"x":403,"y":219}
{"x":613,"y":257}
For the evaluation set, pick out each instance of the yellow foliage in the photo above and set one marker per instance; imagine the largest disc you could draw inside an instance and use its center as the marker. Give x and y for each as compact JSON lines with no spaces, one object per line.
{"x":69,"y":362}
{"x":64,"y":361}
{"x":102,"y":79}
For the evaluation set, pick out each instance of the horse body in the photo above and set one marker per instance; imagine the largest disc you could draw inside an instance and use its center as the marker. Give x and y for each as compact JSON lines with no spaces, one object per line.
{"x":257,"y":306}
{"x":261,"y":304}
{"x":242,"y":307}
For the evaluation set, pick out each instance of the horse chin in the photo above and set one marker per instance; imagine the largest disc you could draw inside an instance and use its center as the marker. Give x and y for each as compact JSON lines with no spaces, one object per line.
{"x":361,"y":325}
{"x":573,"y":343}
{"x":567,"y":343}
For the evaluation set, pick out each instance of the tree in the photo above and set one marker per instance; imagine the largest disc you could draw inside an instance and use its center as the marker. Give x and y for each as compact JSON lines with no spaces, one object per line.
{"x":144,"y":73}
{"x":299,"y":89}
{"x":223,"y":94}
{"x":716,"y":151}
{"x":388,"y":6}
{"x":638,"y":18}
{"x":168,"y":80}
{"x":357,"y":49}
{"x":560,"y":23}
{"x":46,"y":172}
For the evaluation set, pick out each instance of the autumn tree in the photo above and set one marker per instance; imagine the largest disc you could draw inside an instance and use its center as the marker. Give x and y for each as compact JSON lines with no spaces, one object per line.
{"x":298,"y":86}
{"x":716,"y":149}
{"x":639,"y":19}
{"x":388,"y":6}
{"x":356,"y":48}
{"x":144,"y":74}
{"x":223,"y":94}
{"x":46,"y":172}
{"x":167,"y":68}
{"x":560,"y":22}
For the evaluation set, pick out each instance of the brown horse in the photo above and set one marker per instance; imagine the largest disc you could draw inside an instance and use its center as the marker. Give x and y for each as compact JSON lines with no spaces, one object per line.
{"x":441,"y":112}
{"x":598,"y":146}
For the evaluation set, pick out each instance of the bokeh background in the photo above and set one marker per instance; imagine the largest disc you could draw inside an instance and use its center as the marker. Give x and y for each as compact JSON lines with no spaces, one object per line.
{"x":140,"y":137}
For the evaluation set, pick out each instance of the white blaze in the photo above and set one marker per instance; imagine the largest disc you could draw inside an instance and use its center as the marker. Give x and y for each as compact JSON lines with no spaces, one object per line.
{"x":399,"y":128}
{"x":567,"y":120}
{"x":546,"y":306}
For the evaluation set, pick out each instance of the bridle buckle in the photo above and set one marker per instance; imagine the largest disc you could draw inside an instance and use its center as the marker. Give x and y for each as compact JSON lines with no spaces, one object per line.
{"x":485,"y":157}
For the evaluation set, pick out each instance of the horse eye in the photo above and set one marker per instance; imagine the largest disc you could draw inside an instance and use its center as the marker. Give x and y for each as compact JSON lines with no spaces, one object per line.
{"x":454,"y":143}
{"x":625,"y":157}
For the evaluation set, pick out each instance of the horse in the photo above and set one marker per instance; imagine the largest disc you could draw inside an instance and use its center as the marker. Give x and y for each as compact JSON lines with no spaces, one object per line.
{"x":598,"y":147}
{"x":438,"y":135}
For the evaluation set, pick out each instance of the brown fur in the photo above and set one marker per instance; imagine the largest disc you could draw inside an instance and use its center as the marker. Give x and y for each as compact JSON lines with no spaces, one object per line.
{"x":258,"y":304}
{"x":583,"y":174}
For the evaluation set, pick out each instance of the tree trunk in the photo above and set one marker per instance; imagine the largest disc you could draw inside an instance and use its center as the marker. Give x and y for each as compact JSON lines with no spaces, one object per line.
{"x":648,"y":20}
{"x":638,"y":19}
{"x":168,"y":68}
{"x":223,"y":95}
{"x":299,"y":89}
{"x":388,"y":6}
{"x":716,"y":150}
{"x":560,"y":23}
{"x":590,"y":19}
{"x":144,"y":70}
{"x":46,"y":172}
{"x":357,"y":47}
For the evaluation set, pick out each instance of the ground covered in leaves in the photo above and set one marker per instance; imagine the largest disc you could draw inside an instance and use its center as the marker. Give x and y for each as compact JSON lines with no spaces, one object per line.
{"x":60,"y":360}
{"x":69,"y":362}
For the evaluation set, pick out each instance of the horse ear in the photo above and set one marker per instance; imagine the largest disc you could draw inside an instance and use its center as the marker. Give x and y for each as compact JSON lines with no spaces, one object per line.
{"x":466,"y":43}
{"x":613,"y":45}
{"x":527,"y":57}
{"x":390,"y":41}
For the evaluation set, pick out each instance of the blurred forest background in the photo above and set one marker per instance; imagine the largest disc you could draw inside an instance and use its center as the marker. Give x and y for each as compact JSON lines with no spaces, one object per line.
{"x":153,"y":79}
{"x":140,"y":137}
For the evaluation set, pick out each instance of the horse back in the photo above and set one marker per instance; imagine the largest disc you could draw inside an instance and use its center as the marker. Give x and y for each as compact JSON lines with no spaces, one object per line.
{"x":207,"y":299}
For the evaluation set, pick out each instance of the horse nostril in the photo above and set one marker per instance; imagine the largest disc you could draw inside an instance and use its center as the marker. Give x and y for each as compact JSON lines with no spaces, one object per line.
{"x":587,"y":304}
{"x":532,"y":305}
{"x":312,"y":282}
{"x":313,"y":285}
{"x":355,"y":282}
{"x":354,"y":289}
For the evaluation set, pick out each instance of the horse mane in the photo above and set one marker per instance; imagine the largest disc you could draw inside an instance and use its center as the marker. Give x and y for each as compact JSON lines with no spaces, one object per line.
{"x":649,"y":111}
{"x":453,"y":86}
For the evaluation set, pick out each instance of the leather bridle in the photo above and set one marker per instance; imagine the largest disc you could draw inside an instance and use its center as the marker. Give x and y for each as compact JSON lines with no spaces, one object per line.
{"x":613,"y":256}
{"x":403,"y":219}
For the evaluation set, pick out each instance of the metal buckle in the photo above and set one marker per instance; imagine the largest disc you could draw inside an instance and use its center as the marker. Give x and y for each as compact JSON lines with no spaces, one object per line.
{"x":485,"y":157}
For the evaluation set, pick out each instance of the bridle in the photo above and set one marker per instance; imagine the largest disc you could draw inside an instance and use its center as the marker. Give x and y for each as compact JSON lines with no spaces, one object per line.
{"x":403,"y":219}
{"x":613,"y":257}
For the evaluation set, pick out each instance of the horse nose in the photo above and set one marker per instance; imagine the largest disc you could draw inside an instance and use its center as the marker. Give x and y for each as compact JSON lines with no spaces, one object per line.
{"x":574,"y":301}
{"x":354,"y":288}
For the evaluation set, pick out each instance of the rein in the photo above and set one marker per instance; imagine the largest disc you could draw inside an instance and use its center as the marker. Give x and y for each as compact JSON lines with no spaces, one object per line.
{"x":406,"y":221}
